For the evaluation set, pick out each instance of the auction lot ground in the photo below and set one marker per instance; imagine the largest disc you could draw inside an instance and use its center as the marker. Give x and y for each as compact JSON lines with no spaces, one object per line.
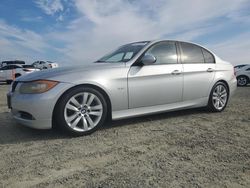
{"x":191,"y":148}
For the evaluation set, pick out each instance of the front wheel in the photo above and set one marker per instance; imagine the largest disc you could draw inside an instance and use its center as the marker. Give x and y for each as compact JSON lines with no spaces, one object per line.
{"x":81,"y":111}
{"x":218,"y":97}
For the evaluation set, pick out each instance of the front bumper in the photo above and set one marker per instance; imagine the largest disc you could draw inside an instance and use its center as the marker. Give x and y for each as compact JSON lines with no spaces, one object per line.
{"x":35,"y":110}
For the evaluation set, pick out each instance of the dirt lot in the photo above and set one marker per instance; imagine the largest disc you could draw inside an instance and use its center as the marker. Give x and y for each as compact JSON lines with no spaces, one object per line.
{"x":190,"y":148}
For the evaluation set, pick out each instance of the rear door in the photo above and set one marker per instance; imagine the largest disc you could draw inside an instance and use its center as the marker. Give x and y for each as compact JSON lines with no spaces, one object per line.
{"x":198,"y":71}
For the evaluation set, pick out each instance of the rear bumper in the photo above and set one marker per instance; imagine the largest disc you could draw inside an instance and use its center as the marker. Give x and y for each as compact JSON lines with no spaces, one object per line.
{"x":233,"y":86}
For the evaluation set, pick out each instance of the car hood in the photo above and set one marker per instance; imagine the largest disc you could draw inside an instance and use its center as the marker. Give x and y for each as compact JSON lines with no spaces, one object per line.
{"x":52,"y":73}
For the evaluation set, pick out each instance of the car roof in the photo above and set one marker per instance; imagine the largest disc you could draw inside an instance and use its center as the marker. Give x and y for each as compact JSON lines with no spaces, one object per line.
{"x":174,"y":40}
{"x":16,"y":65}
{"x":13,"y":62}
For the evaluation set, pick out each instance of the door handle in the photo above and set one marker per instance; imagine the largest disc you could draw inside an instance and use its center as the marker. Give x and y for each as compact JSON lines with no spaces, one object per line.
{"x":210,"y":70}
{"x":176,"y":72}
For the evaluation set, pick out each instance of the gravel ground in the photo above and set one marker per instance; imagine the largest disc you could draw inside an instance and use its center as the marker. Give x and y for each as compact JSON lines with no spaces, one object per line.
{"x":191,"y":148}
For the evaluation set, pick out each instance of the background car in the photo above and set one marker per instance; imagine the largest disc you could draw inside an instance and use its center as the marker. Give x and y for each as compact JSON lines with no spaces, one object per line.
{"x":243,"y":75}
{"x":45,"y":64}
{"x":15,"y":62}
{"x":237,"y":67}
{"x":10,"y":72}
{"x":136,"y":79}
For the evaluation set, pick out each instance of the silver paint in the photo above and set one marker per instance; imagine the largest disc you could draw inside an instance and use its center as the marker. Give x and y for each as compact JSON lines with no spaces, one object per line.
{"x":132,"y":90}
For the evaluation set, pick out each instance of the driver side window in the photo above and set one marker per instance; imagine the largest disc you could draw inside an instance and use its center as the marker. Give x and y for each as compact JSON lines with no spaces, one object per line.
{"x":164,"y":52}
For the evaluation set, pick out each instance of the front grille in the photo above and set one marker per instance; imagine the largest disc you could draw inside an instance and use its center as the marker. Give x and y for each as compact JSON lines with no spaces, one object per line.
{"x":14,"y":86}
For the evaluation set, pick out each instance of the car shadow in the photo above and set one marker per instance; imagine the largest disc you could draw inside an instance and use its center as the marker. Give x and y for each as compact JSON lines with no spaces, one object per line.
{"x":11,"y":132}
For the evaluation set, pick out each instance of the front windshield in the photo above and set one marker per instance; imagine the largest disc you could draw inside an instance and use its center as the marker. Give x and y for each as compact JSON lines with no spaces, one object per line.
{"x":124,"y":53}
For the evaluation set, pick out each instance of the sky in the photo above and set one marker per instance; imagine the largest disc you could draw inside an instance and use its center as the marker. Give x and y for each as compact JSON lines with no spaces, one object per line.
{"x":81,"y":31}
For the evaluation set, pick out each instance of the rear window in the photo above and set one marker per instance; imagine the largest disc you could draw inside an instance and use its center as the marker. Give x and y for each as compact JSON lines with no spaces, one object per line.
{"x":208,"y":57}
{"x":191,"y":53}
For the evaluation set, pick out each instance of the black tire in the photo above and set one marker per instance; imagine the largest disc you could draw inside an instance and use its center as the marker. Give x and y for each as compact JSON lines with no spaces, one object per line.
{"x":9,"y":82}
{"x":59,"y":118}
{"x":211,"y":106}
{"x":242,"y":81}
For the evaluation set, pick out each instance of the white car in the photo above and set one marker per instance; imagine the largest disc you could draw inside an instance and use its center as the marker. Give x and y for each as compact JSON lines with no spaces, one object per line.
{"x":45,"y":64}
{"x":243,"y":75}
{"x":9,"y":73}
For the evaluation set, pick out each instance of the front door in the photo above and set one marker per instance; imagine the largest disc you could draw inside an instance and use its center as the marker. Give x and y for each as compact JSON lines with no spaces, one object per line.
{"x":159,"y":83}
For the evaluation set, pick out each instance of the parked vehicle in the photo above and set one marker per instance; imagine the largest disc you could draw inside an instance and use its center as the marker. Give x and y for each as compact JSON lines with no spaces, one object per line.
{"x":243,"y":75}
{"x":10,"y":72}
{"x":45,"y":64}
{"x":15,"y":62}
{"x":136,"y":79}
{"x":237,"y":67}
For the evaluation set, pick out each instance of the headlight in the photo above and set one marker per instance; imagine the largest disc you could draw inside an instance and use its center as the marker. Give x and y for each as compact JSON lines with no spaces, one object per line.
{"x":38,"y":86}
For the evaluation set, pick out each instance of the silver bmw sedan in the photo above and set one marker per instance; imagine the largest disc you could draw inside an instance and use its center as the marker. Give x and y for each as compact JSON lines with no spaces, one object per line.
{"x":136,"y":79}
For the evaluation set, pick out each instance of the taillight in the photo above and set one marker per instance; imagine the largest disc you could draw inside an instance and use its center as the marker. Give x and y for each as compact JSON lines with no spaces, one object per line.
{"x":234,"y":71}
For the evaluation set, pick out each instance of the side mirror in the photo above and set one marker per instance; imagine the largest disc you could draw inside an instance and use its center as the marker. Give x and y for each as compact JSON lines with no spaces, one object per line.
{"x":148,"y":59}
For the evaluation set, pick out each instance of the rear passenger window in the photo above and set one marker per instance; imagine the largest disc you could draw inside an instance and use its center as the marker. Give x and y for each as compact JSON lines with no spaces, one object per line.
{"x":191,"y":53}
{"x":209,"y":58}
{"x":165,"y":52}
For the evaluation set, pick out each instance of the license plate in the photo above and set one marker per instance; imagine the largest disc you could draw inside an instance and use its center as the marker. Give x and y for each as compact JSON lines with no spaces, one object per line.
{"x":9,"y":101}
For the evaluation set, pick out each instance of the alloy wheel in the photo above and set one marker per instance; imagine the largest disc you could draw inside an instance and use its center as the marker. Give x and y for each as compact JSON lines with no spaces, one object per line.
{"x":83,"y":111}
{"x":220,"y":97}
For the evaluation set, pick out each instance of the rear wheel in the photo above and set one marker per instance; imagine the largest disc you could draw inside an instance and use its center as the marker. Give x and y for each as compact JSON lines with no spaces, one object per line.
{"x":218,"y":97}
{"x":242,"y":81}
{"x":81,"y":111}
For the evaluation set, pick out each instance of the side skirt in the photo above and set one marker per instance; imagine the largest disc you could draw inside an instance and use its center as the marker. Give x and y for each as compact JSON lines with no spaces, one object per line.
{"x":134,"y":112}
